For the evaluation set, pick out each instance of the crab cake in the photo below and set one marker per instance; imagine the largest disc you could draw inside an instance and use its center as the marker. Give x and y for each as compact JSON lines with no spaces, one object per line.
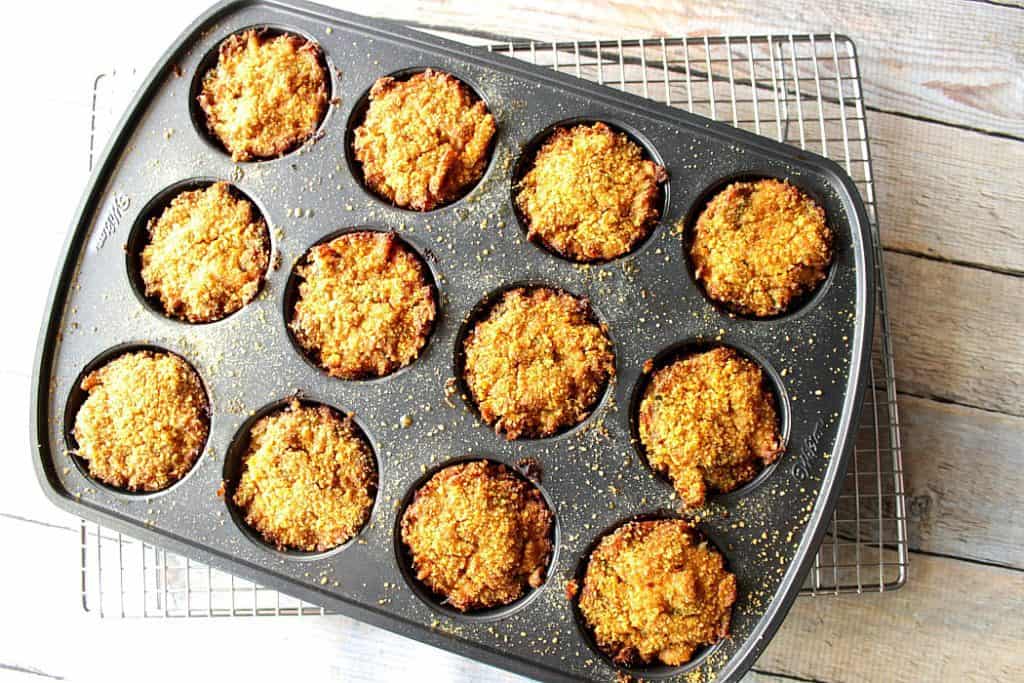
{"x":144,"y":421}
{"x":590,"y":194}
{"x":206,"y":256}
{"x":760,"y":245}
{"x":709,"y":422}
{"x":267,"y":94}
{"x":425,"y":140}
{"x":537,"y":363}
{"x":654,"y":591}
{"x":308,"y":478}
{"x":478,"y":535}
{"x":365,"y":305}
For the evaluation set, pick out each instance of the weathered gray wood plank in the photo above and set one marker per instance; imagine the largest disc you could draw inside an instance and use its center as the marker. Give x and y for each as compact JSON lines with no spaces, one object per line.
{"x":954,"y":621}
{"x":957,"y":332}
{"x":949,"y":193}
{"x":964,"y":479}
{"x":958,"y":62}
{"x":962,"y":476}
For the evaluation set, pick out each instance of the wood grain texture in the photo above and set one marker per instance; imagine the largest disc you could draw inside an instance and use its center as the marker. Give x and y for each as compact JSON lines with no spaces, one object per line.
{"x":954,"y":621}
{"x":756,"y":676}
{"x":957,"y":333}
{"x":962,"y":475}
{"x":949,"y":193}
{"x":957,"y":62}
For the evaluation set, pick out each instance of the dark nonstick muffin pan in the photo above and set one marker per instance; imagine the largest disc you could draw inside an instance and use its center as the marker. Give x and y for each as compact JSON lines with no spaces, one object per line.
{"x":594,"y":476}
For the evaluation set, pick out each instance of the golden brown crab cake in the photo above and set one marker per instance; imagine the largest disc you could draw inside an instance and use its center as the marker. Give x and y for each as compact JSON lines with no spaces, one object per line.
{"x":653,"y":591}
{"x":709,"y":422}
{"x":760,"y":245}
{"x":365,"y":306}
{"x":537,"y":363}
{"x":144,"y":422}
{"x":478,"y":535}
{"x":590,"y":195}
{"x":425,"y":140}
{"x":266,"y":95}
{"x":206,"y":256}
{"x":308,"y":478}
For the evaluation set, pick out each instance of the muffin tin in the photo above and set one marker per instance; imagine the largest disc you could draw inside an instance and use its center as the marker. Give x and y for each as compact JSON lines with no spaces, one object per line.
{"x":416,"y":420}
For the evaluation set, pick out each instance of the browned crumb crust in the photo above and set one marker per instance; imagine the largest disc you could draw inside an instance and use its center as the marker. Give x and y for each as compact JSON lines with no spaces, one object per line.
{"x":537,"y":363}
{"x":266,"y":95}
{"x":590,"y":195}
{"x":759,"y":245}
{"x":206,"y":255}
{"x":308,"y":479}
{"x":365,"y":307}
{"x":478,"y":535}
{"x":424,"y":141}
{"x":144,"y":421}
{"x":708,"y":421}
{"x":654,"y":591}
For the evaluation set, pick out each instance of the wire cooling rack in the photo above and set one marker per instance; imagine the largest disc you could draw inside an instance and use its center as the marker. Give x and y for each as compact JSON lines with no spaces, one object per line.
{"x":804,"y":90}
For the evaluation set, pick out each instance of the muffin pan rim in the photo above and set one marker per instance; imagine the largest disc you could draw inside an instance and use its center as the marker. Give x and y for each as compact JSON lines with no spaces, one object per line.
{"x":290,"y":294}
{"x":684,"y":348}
{"x":655,"y":670}
{"x":490,"y":614}
{"x":121,"y":516}
{"x":799,"y":305}
{"x":233,"y":460}
{"x":138,"y":239}
{"x":209,"y":60}
{"x":357,"y":116}
{"x":77,"y":396}
{"x":478,"y":313}
{"x":527,"y":154}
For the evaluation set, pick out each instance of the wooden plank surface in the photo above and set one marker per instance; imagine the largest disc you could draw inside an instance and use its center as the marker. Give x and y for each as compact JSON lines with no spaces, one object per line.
{"x":962,"y":473}
{"x":957,"y":333}
{"x":964,"y":480}
{"x":954,"y":621}
{"x":949,"y":193}
{"x":956,"y":62}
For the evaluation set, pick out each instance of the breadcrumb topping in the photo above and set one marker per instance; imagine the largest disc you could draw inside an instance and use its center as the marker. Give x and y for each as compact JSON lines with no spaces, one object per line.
{"x":709,"y":422}
{"x":308,"y":479}
{"x":266,"y":96}
{"x":365,"y":307}
{"x":537,"y":363}
{"x":424,"y":141}
{"x":654,"y":591}
{"x":590,"y":195}
{"x":144,"y":422}
{"x":760,"y":245}
{"x":206,"y":255}
{"x":478,"y":535}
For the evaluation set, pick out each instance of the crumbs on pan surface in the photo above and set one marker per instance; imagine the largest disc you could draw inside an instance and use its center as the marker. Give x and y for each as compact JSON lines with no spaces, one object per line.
{"x":760,"y":245}
{"x":590,"y":194}
{"x":537,"y":363}
{"x":654,"y":591}
{"x":365,"y":306}
{"x":144,"y":422}
{"x":425,"y":139}
{"x":709,"y":422}
{"x":266,"y":95}
{"x":478,"y":535}
{"x":308,"y":478}
{"x":207,"y":254}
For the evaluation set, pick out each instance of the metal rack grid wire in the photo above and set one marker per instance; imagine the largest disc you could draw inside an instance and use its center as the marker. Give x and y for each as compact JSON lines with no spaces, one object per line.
{"x":803,"y":90}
